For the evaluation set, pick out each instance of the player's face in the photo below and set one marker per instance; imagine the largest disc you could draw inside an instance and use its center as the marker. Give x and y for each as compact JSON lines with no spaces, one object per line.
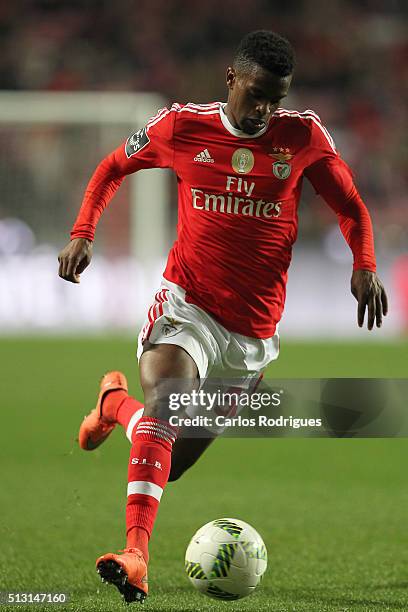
{"x":253,"y":97}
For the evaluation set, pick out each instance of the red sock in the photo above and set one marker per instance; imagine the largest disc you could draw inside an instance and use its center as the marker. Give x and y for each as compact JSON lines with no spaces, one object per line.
{"x":126,"y":410}
{"x":149,"y":468}
{"x":137,"y":537}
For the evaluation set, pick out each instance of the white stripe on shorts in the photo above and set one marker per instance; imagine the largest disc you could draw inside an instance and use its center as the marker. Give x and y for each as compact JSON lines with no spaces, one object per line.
{"x":145,"y":488}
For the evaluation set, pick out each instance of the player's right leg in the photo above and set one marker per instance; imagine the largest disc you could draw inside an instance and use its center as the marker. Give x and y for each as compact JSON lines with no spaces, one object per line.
{"x":186,"y":452}
{"x":149,"y":465}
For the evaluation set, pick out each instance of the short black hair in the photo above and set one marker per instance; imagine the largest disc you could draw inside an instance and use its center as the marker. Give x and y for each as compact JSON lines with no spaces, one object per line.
{"x":267,"y":49}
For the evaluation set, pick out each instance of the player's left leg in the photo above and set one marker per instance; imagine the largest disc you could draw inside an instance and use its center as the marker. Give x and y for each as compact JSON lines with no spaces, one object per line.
{"x":186,"y":451}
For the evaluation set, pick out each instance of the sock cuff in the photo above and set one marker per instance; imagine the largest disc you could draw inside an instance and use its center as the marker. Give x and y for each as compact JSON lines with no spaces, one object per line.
{"x":153,"y":429}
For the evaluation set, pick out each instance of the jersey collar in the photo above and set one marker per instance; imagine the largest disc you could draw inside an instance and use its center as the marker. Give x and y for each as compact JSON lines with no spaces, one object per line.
{"x":233,"y":130}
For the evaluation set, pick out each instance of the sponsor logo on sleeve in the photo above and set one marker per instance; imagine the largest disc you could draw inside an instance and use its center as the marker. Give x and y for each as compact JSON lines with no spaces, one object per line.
{"x":136,"y":142}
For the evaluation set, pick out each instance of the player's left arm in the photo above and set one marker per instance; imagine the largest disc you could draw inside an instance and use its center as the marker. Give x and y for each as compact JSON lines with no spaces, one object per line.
{"x":333,"y":180}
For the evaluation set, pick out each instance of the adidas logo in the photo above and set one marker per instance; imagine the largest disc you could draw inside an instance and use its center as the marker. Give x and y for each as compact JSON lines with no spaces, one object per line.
{"x":204,"y":156}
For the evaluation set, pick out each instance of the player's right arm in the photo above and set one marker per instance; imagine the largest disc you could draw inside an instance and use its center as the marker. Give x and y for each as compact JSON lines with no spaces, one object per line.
{"x":150,"y":147}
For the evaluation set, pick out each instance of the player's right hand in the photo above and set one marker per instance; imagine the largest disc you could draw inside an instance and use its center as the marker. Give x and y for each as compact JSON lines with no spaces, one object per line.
{"x":74,"y":258}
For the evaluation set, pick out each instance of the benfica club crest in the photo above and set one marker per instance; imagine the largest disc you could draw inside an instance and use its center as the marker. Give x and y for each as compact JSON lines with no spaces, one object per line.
{"x":170,"y":327}
{"x":281,"y":168}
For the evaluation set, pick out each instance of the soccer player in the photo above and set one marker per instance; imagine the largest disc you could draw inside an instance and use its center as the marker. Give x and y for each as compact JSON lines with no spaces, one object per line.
{"x":240,"y":167}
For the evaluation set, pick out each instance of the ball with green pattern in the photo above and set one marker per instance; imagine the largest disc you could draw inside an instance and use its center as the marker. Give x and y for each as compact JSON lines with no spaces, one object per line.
{"x":226,"y":559}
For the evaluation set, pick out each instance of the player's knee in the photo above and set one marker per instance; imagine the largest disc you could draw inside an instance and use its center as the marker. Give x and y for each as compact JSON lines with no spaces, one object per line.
{"x":164,"y":371}
{"x":159,"y":397}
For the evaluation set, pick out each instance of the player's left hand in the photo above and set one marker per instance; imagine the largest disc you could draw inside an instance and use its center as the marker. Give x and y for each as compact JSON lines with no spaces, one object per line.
{"x":370,"y":294}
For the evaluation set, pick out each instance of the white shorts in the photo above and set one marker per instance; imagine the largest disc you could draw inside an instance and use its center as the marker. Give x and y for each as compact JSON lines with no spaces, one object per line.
{"x":217,"y":352}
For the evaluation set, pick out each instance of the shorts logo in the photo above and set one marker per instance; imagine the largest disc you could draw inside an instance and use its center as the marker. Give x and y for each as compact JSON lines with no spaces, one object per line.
{"x":170,"y":327}
{"x":281,"y":168}
{"x":242,"y":161}
{"x":136,"y":142}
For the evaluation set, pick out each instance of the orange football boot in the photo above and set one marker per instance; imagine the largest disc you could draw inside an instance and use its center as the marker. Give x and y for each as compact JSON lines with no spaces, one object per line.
{"x":128,"y":572}
{"x":95,"y":427}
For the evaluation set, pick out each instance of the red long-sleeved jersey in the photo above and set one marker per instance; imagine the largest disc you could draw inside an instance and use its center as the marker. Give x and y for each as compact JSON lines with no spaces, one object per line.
{"x":238,"y":198}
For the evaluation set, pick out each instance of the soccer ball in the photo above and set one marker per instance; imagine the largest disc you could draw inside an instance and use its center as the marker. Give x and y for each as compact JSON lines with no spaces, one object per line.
{"x":226,"y":559}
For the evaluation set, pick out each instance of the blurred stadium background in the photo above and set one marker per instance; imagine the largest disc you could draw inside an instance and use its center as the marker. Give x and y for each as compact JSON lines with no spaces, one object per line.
{"x":71,"y":75}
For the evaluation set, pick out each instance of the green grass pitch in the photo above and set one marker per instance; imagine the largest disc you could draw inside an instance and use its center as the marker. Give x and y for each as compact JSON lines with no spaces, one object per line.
{"x":333,"y":513}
